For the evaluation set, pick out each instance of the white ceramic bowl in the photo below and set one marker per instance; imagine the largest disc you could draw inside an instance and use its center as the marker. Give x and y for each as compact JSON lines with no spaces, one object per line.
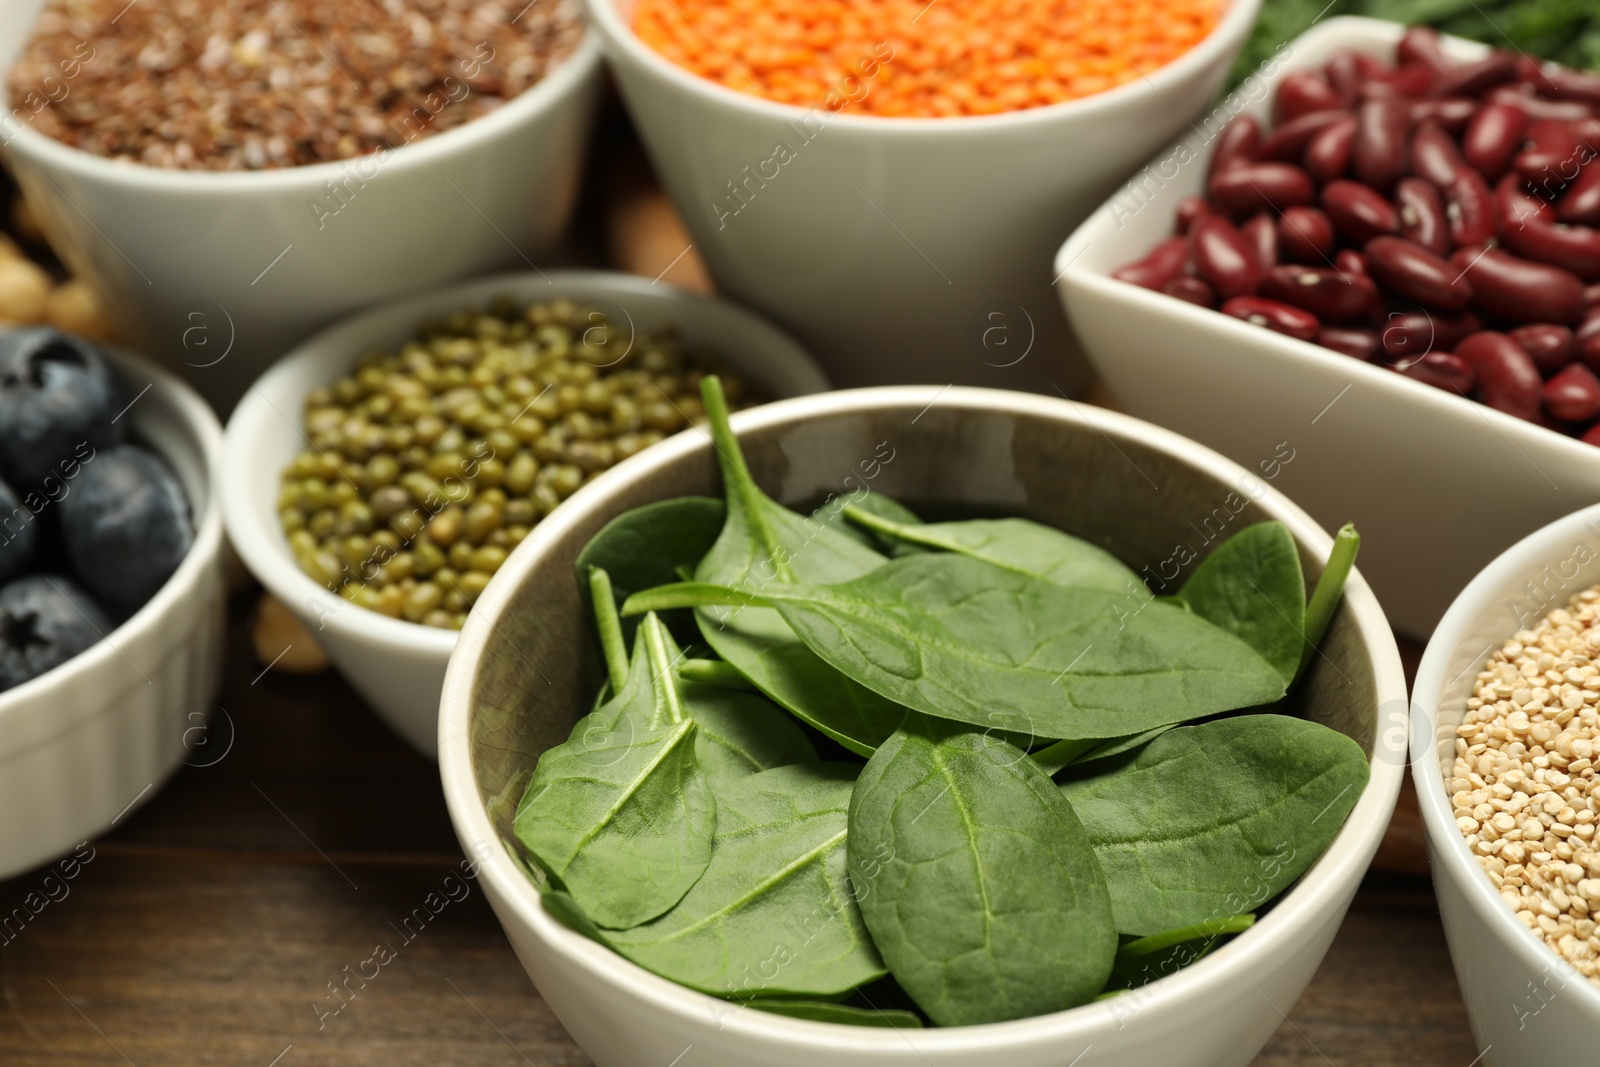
{"x":219,"y":273}
{"x":1368,"y":444}
{"x":526,"y":669}
{"x":399,"y":666}
{"x":83,"y":745}
{"x":903,"y":249}
{"x":1525,"y":1004}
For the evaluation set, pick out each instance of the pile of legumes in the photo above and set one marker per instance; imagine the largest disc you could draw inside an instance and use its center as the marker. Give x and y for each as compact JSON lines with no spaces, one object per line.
{"x":1524,"y":784}
{"x":910,"y":58}
{"x":256,"y":84}
{"x":940,"y":766}
{"x":1439,"y":219}
{"x":428,"y":465}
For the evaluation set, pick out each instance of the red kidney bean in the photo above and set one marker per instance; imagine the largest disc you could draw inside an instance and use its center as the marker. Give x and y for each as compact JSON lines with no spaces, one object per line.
{"x":1518,"y":290}
{"x":1514,"y":208}
{"x":1508,"y":381}
{"x":1325,"y":293}
{"x":1473,"y":79}
{"x":1245,"y":188}
{"x":1552,"y":347}
{"x":1564,"y":84}
{"x":1551,"y":157}
{"x":1351,"y":340}
{"x":1289,"y":140}
{"x":1347,"y":72}
{"x":1589,"y":351}
{"x":1261,"y":234}
{"x":1359,"y":212}
{"x":1349,"y":261}
{"x":1192,"y":290}
{"x":1442,"y":370}
{"x":1379,"y":151}
{"x":1225,"y":258}
{"x":1420,"y":44}
{"x":1591,"y":295}
{"x":1588,"y":327}
{"x":1493,"y":136}
{"x":1303,"y":92}
{"x":1452,"y":114}
{"x":1235,"y":144}
{"x":1274,"y":315}
{"x":1521,"y":96}
{"x":1591,"y":436}
{"x":1581,"y":202}
{"x":1573,"y":248}
{"x":1422,"y":218}
{"x":1469,"y":207}
{"x":1434,"y":155}
{"x":1406,"y":335}
{"x":1406,"y":83}
{"x":1190,"y":209}
{"x":1305,"y":234}
{"x":1573,"y":395}
{"x":1417,"y":274}
{"x":1164,"y":263}
{"x":1327,"y":156}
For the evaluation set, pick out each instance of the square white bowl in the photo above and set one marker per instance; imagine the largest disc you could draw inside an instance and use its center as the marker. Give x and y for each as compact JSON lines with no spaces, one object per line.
{"x":1437,"y":484}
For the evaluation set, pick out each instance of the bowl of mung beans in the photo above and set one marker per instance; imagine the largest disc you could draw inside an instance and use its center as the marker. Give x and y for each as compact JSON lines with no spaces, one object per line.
{"x":379,"y":475}
{"x":1504,"y":739}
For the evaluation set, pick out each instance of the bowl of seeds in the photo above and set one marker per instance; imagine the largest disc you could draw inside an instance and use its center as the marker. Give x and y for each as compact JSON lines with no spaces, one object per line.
{"x":1505,"y":732}
{"x":376,"y":477}
{"x":235,"y":175}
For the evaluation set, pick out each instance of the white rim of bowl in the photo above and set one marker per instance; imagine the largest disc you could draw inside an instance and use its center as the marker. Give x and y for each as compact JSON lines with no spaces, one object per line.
{"x":1308,"y":902}
{"x":260,"y":545}
{"x":1226,"y":36}
{"x":199,"y":420}
{"x":580,"y":64}
{"x":1449,"y":847}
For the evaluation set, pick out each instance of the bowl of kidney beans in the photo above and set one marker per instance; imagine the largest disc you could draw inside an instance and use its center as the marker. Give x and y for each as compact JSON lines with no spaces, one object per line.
{"x":1435,"y":217}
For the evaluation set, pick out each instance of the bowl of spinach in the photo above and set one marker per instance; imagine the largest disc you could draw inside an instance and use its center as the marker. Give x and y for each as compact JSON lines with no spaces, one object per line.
{"x":923,"y":726}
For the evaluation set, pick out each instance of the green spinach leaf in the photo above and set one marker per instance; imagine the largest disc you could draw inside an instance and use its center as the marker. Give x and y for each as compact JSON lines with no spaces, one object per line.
{"x":643,"y":548}
{"x":624,"y":819}
{"x":823,"y":1011}
{"x":1052,"y":759}
{"x":1143,"y":960}
{"x":833,"y":513}
{"x":1251,"y":586}
{"x":976,"y":879}
{"x":1217,"y":819}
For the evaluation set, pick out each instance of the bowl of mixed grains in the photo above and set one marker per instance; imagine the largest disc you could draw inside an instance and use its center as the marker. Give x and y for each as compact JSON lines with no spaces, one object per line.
{"x":1505,"y":740}
{"x":378,"y":476}
{"x":233,"y":175}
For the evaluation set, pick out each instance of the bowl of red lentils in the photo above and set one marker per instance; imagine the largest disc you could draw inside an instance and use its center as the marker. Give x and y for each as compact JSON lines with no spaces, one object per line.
{"x":1505,"y":739}
{"x":233,"y":175}
{"x":888,"y":180}
{"x":379,"y":475}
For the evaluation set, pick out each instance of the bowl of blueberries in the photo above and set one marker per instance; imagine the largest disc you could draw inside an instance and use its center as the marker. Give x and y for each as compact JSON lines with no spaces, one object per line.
{"x":111,"y":587}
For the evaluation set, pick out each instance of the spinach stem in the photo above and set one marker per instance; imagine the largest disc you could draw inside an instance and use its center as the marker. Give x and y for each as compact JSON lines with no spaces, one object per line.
{"x":690,"y":595}
{"x":736,"y":476}
{"x":610,"y":627}
{"x":1330,"y":587}
{"x":1233,"y":924}
{"x":1053,"y":758}
{"x":715,"y":672}
{"x":668,"y":708}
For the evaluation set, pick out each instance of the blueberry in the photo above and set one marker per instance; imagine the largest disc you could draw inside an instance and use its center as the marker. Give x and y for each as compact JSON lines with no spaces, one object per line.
{"x":126,"y":526}
{"x":45,"y":620}
{"x":58,"y":395}
{"x":19,"y":533}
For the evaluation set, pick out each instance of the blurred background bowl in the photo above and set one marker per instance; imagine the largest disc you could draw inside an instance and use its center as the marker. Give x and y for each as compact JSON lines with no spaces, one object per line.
{"x":1407,"y":462}
{"x":399,"y":666}
{"x":86,"y":743}
{"x":219,"y":273}
{"x":904,"y":249}
{"x":1525,"y":1004}
{"x":527,"y":668}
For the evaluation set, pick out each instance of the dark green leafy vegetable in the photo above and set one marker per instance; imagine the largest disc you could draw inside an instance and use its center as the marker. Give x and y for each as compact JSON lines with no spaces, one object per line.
{"x":642,"y":548}
{"x":823,"y":1011}
{"x":958,"y":638}
{"x":773,"y":914}
{"x":1217,"y":819}
{"x":1143,"y":960}
{"x":1330,"y":590}
{"x":624,"y":819}
{"x":713,"y":672}
{"x":1251,"y":586}
{"x":976,"y":879}
{"x":1055,"y":758}
{"x":833,"y":513}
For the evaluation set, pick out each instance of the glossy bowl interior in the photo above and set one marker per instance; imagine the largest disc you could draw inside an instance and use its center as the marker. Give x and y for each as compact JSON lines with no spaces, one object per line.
{"x":1369,"y":445}
{"x":526,"y":668}
{"x":399,"y":666}
{"x":84,"y":744}
{"x":1525,"y":1003}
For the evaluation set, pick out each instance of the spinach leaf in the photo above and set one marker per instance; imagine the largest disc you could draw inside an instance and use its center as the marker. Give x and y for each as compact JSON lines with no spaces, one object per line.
{"x":713,"y":672}
{"x":1330,"y":588}
{"x":1217,"y":819}
{"x":773,"y":915}
{"x":625,"y":821}
{"x":958,"y":638}
{"x":763,"y":545}
{"x":1143,"y":960}
{"x":1052,"y":759}
{"x":642,"y":548}
{"x":976,"y":879}
{"x":833,"y":513}
{"x":823,"y":1011}
{"x":1017,"y":545}
{"x":1251,"y":586}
